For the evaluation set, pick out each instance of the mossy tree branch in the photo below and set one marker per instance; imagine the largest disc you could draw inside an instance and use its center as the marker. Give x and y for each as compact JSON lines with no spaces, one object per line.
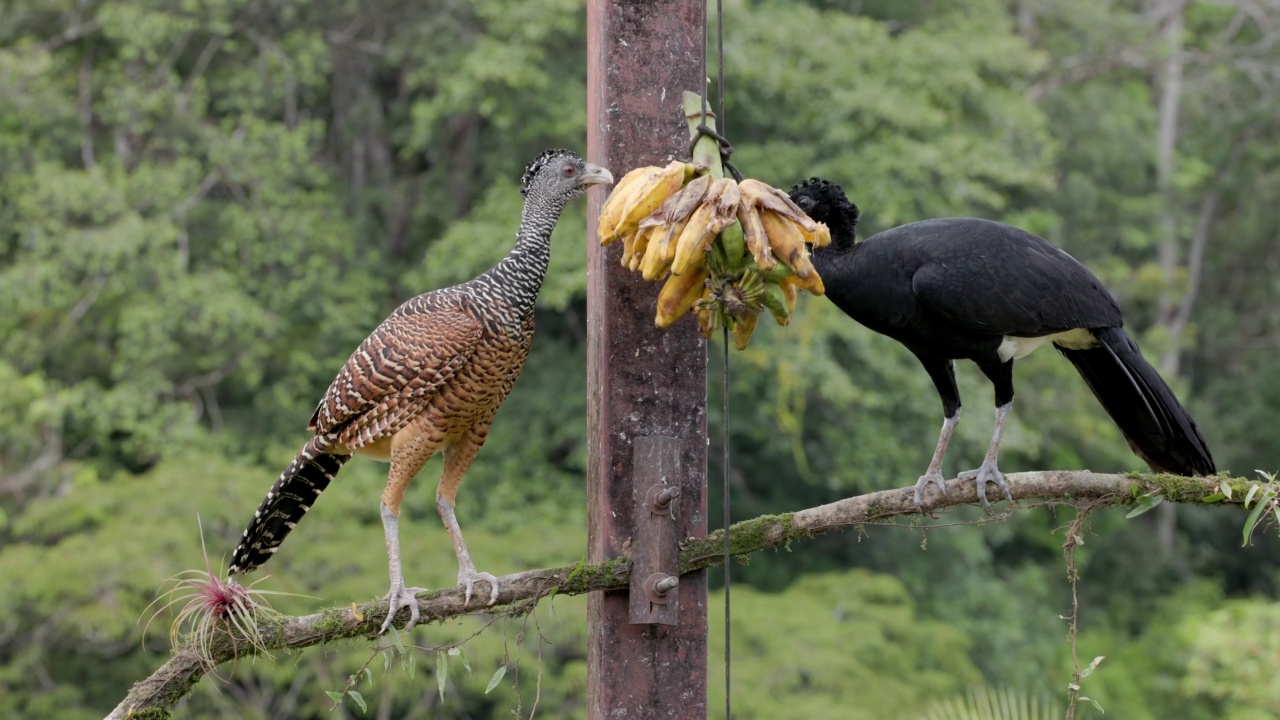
{"x":152,"y":697}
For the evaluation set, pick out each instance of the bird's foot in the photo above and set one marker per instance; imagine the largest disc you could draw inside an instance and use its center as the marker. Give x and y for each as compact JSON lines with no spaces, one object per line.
{"x":987,"y":472}
{"x":469,"y":578}
{"x":935,"y":478}
{"x":401,"y":597}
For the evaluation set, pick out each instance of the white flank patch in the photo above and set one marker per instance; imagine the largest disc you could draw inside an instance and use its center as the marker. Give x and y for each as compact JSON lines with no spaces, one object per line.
{"x":1016,"y":348}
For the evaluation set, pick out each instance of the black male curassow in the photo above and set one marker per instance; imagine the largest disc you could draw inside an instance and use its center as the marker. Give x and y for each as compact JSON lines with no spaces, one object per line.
{"x":966,"y":288}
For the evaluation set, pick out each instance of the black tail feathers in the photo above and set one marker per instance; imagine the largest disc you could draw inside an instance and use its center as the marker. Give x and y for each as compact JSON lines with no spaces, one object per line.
{"x":1158,"y":428}
{"x":285,"y":504}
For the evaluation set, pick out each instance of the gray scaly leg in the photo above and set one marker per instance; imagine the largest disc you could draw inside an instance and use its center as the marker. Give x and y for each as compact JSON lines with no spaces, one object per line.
{"x":988,"y":472}
{"x":934,"y":473}
{"x":467,"y":574}
{"x":399,"y":596}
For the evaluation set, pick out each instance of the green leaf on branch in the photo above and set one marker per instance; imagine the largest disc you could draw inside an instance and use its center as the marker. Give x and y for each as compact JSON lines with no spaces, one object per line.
{"x":442,"y":671}
{"x":358,"y":699}
{"x":1094,"y":703}
{"x":497,"y":678}
{"x":1144,"y":505}
{"x":1265,"y":502}
{"x":1248,"y":497}
{"x":457,"y":652}
{"x":1092,"y":666}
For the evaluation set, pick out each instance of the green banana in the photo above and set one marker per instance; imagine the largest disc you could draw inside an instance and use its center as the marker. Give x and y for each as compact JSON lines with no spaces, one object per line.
{"x":775,"y":299}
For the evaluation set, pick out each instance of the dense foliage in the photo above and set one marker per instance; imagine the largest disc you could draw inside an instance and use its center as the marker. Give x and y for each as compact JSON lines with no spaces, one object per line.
{"x":206,"y":204}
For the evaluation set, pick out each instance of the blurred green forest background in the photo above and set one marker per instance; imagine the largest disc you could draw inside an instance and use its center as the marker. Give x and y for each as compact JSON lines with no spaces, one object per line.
{"x":206,"y":204}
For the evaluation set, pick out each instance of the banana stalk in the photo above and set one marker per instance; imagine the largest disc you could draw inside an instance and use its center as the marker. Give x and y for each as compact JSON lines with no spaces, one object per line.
{"x":706,"y":152}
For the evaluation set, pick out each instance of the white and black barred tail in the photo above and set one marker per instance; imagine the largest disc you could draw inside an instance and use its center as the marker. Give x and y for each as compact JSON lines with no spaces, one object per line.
{"x":285,"y":504}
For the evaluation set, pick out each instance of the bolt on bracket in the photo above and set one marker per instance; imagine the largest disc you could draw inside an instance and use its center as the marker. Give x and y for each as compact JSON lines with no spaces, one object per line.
{"x":655,"y":548}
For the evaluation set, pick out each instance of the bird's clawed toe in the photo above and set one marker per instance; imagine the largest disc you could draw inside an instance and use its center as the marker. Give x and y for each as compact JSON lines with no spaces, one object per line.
{"x":401,"y":597}
{"x":469,"y":580}
{"x":987,"y":472}
{"x":935,"y":478}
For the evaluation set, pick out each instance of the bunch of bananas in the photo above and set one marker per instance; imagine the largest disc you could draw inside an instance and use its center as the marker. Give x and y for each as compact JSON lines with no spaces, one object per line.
{"x":727,"y":250}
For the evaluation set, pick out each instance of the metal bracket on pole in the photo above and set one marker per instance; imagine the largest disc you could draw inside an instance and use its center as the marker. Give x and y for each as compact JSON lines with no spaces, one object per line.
{"x":655,"y":549}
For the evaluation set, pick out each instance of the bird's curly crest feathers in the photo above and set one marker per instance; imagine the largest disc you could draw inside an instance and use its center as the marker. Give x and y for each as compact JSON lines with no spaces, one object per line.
{"x":825,"y":202}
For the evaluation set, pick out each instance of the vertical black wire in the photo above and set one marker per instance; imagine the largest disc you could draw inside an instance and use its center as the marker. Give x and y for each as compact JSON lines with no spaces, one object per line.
{"x":724,"y":413}
{"x":720,"y":68}
{"x":725,"y":367}
{"x":724,"y":400}
{"x":703,"y":80}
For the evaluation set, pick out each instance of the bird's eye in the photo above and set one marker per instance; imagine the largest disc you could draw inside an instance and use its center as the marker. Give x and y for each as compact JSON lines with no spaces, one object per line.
{"x":568,"y":170}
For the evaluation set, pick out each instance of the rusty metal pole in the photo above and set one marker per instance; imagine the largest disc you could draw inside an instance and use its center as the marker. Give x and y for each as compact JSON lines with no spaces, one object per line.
{"x":646,"y":411}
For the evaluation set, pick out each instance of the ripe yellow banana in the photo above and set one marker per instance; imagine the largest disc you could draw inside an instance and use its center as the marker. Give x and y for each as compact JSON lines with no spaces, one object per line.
{"x":743,"y":328}
{"x":634,"y":245}
{"x":628,"y":248}
{"x":662,"y":250}
{"x":821,"y":237}
{"x":785,"y":239}
{"x":690,"y":250}
{"x":789,"y":292}
{"x":611,"y":212}
{"x":754,"y":235}
{"x":811,"y":281}
{"x":681,"y":204}
{"x":788,"y":244}
{"x":678,"y":294}
{"x":724,"y":197}
{"x":669,"y":222}
{"x":640,"y":198}
{"x":640,"y":247}
{"x":719,"y":210}
{"x":669,"y":230}
{"x":657,"y":261}
{"x":767,"y":197}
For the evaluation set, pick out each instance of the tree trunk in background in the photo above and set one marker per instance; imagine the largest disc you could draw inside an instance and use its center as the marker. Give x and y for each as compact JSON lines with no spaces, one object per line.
{"x":464,"y":160}
{"x":1169,"y":99}
{"x":359,"y":141}
{"x":1025,"y":19}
